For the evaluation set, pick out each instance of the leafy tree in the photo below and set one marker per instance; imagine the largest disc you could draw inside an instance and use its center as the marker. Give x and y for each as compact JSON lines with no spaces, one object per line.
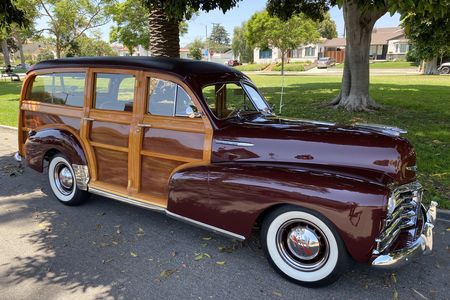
{"x":195,"y":49}
{"x":327,"y":28}
{"x":11,"y":14}
{"x":219,"y":35}
{"x":359,"y":17}
{"x":132,"y":24}
{"x":263,"y":31}
{"x":70,"y":19}
{"x":430,"y":38}
{"x":241,"y":48}
{"x":165,"y":17}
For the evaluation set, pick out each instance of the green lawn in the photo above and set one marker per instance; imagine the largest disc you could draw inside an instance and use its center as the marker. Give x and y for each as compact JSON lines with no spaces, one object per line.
{"x":388,"y":65}
{"x":419,"y":104}
{"x":251,"y":67}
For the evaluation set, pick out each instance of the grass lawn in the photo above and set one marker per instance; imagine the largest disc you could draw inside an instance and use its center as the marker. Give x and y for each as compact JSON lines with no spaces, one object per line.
{"x":419,"y":104}
{"x":388,"y":65}
{"x":293,"y":66}
{"x":251,"y":67}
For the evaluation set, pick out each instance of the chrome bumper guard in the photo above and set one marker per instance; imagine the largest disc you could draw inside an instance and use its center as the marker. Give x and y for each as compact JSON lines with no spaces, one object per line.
{"x":17,"y":157}
{"x":423,"y":245}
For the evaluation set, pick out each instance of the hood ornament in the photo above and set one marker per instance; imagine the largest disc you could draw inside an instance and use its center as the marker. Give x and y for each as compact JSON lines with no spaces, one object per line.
{"x":390,"y":130}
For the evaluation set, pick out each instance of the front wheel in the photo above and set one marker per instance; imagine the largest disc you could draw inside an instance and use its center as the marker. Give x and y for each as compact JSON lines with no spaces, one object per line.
{"x":62,"y":182}
{"x":303,"y":246}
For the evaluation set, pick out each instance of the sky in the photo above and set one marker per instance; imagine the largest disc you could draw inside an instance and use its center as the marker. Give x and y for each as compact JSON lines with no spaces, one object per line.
{"x":235,"y":17}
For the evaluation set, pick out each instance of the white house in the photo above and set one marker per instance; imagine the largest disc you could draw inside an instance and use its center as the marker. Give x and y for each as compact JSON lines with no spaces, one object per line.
{"x":308,"y":52}
{"x":386,"y":44}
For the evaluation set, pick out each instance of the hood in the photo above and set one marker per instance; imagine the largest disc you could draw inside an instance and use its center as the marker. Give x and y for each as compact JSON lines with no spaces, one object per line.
{"x":375,"y":153}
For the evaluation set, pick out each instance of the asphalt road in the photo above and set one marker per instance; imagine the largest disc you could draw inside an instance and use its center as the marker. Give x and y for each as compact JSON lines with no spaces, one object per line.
{"x":106,"y":249}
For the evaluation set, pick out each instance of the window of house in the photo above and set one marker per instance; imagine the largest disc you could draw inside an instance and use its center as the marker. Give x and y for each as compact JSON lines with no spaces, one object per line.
{"x":59,"y":88}
{"x":166,"y":98}
{"x":401,"y":48}
{"x":265,"y":53}
{"x":114,"y":91}
{"x":310,"y":51}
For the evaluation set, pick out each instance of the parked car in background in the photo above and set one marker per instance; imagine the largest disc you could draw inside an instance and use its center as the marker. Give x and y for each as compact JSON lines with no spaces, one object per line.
{"x":444,"y":68}
{"x":233,"y":63}
{"x":326,"y":62}
{"x":198,"y":141}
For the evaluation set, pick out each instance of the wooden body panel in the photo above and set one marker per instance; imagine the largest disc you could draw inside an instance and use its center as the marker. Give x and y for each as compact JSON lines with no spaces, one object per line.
{"x":124,"y":157}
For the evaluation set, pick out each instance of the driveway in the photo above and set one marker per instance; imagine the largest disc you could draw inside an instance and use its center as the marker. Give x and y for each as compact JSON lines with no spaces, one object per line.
{"x":106,"y":249}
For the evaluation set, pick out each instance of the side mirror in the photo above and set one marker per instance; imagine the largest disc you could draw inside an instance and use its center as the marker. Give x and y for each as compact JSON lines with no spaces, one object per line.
{"x":192,"y":112}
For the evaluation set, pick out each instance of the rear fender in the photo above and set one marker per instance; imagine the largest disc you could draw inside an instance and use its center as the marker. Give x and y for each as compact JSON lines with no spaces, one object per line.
{"x":43,"y":141}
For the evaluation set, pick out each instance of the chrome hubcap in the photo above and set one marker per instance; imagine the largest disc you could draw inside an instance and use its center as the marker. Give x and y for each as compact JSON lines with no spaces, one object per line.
{"x":63,"y":179}
{"x":303,"y":242}
{"x":302,"y":245}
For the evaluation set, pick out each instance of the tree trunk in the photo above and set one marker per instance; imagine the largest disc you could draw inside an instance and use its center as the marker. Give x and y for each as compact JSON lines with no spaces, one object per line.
{"x":430,"y":67}
{"x":282,"y":62}
{"x":5,"y":51}
{"x":354,"y":94}
{"x":164,"y":34}
{"x":20,"y":46}
{"x":58,"y":47}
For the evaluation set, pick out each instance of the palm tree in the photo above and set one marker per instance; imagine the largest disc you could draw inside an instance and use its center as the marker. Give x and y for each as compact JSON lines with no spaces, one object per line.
{"x":164,"y":33}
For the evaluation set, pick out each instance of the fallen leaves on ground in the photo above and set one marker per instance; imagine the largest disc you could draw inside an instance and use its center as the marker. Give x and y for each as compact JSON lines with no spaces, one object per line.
{"x":220,"y":263}
{"x":277,"y":293}
{"x":394,"y":278}
{"x":167,"y":273}
{"x":133,"y":254}
{"x":201,"y":255}
{"x":206,"y":238}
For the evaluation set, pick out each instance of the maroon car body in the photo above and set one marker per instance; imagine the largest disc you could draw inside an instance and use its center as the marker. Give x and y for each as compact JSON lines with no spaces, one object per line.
{"x":360,"y":178}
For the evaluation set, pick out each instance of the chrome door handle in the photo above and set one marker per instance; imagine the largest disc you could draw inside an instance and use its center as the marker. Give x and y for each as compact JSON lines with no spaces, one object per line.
{"x":89,"y":119}
{"x":144,"y":125}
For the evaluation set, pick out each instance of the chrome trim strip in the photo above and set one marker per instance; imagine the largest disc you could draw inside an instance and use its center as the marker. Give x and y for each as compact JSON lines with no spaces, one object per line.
{"x":81,"y":173}
{"x":203,"y":225}
{"x":17,"y":157}
{"x":391,"y":130}
{"x":126,"y":200}
{"x":234,"y":143}
{"x":168,"y":213}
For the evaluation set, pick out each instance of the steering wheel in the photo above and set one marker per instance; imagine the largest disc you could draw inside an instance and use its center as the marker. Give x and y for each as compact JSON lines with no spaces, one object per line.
{"x":236,"y":112}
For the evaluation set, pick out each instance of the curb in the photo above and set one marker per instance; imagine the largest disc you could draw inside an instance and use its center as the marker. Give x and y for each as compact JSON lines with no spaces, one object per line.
{"x":443,"y":215}
{"x":8,"y":127}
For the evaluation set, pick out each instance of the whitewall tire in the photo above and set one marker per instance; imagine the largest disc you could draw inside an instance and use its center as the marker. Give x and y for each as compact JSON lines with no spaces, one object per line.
{"x":303,"y":246}
{"x":61,"y":178}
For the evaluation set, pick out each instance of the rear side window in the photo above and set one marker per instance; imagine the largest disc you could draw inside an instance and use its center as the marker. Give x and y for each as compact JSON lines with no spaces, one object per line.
{"x":114,"y":91}
{"x":166,"y":98}
{"x":59,"y":88}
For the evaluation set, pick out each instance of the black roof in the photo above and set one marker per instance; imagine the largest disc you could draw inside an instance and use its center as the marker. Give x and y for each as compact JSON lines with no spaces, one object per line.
{"x":182,"y":67}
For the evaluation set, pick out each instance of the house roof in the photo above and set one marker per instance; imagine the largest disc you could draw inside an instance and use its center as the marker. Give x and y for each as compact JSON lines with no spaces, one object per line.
{"x":380,"y":36}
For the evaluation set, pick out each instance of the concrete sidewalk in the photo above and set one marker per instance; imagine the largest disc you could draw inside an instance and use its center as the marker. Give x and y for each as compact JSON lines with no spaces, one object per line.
{"x":106,"y":249}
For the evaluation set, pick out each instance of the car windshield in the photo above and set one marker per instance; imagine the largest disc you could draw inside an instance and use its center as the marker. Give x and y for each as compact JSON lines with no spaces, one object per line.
{"x":231,"y":99}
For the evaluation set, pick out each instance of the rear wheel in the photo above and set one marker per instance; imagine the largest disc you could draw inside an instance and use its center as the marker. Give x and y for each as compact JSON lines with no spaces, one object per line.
{"x":62,"y":182}
{"x":303,"y":246}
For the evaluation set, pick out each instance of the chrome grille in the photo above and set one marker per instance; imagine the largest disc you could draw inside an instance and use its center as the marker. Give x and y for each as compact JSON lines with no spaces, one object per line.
{"x":407,"y":199}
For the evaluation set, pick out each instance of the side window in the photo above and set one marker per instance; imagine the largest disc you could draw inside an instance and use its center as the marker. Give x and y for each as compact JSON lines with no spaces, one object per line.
{"x":59,"y":88}
{"x":227,"y":99}
{"x":166,"y":98}
{"x":114,"y":91}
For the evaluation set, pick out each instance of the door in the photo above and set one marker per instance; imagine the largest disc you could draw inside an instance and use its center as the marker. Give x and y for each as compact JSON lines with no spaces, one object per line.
{"x":108,"y":118}
{"x":174,"y":133}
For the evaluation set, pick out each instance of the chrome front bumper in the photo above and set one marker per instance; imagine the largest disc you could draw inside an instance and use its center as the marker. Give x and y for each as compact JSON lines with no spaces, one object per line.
{"x":423,"y":245}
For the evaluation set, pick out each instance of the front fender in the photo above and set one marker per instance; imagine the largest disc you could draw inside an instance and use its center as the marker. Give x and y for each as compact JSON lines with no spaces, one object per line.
{"x":42,"y":141}
{"x":238,"y":193}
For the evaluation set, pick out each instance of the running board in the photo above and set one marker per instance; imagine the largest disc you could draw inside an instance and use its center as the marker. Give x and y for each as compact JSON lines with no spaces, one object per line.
{"x":165,"y":211}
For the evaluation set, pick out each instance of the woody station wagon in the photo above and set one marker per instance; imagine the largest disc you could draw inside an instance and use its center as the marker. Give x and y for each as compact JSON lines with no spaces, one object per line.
{"x":199,"y":142}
